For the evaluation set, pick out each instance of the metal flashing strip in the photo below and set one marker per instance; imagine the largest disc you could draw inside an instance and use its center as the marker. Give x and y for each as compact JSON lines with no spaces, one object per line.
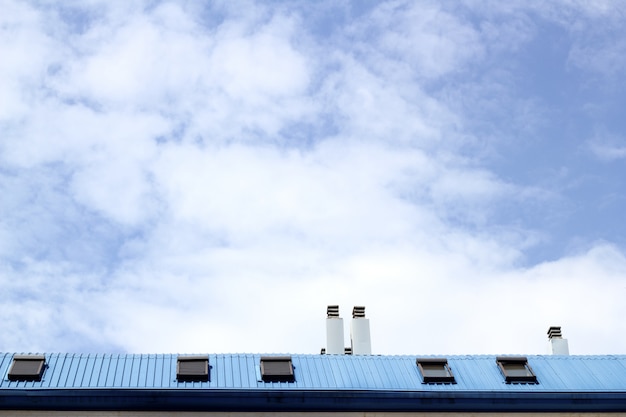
{"x":308,"y":401}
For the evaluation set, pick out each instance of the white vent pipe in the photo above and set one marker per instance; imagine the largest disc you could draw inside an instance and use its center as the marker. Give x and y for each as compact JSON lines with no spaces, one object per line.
{"x":360,"y":332}
{"x":334,"y":331}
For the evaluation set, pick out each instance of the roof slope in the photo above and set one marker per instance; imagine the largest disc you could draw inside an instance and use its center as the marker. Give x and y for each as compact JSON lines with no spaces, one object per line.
{"x":325,"y":376}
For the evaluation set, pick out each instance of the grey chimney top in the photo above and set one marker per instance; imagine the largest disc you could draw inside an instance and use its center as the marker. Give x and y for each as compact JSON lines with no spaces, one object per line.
{"x":554,"y":332}
{"x":358,"y":312}
{"x":332,"y":311}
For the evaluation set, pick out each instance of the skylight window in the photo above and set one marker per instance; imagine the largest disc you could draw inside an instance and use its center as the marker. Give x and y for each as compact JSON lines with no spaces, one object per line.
{"x":27,"y":368}
{"x":277,"y":369}
{"x":516,"y":370}
{"x":192,"y":368}
{"x":435,"y":370}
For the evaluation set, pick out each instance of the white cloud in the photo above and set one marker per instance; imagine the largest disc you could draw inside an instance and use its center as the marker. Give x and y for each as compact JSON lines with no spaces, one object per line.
{"x":250,"y":192}
{"x":607,"y":147}
{"x":171,"y":188}
{"x":410,"y":294}
{"x":264,"y":64}
{"x":427,"y":40}
{"x":145,"y":62}
{"x":609,"y":152}
{"x":604,"y":57}
{"x":27,"y":55}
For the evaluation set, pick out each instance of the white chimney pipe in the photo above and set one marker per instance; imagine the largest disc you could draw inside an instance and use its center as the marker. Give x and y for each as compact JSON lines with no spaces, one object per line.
{"x":334,"y":331}
{"x":360,"y":332}
{"x":556,"y":343}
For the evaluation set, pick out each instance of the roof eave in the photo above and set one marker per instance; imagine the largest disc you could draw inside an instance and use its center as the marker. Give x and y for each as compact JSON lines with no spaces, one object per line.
{"x":308,"y":400}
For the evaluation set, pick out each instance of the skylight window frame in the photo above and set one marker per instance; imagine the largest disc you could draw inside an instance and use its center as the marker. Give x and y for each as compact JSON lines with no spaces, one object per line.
{"x":271,"y":369}
{"x":187,"y":372}
{"x":435,"y":379}
{"x":503,"y":361}
{"x":27,"y":368}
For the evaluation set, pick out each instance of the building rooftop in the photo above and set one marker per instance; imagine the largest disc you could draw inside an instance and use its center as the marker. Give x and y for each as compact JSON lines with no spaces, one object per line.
{"x":321,"y":372}
{"x":319,"y":382}
{"x":345,"y":379}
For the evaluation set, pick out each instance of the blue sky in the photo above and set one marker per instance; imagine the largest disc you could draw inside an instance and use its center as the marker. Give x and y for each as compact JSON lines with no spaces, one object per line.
{"x":180,"y":176}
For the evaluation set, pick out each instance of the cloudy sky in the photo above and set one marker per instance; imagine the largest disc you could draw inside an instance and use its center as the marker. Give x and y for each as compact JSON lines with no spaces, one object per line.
{"x":186,"y":176}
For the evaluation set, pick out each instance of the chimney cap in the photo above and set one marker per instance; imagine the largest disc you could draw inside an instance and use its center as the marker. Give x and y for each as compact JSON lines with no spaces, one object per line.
{"x":358,"y":312}
{"x":332,"y":311}
{"x":554,"y":332}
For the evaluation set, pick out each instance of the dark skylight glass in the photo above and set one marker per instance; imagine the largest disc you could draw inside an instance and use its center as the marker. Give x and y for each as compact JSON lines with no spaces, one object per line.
{"x":435,"y":370}
{"x":516,"y":370}
{"x":192,"y":368}
{"x":27,"y":368}
{"x":277,"y":369}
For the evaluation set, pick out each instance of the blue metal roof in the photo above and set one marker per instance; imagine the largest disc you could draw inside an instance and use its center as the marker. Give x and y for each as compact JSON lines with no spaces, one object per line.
{"x":321,"y":372}
{"x":323,"y":376}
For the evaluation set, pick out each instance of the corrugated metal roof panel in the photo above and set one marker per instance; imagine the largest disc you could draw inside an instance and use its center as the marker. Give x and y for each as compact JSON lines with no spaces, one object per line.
{"x":321,"y":372}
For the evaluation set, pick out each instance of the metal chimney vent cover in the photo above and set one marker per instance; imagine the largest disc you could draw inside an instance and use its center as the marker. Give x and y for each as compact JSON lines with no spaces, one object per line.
{"x":332,"y":311}
{"x":555,"y":332}
{"x":358,"y":312}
